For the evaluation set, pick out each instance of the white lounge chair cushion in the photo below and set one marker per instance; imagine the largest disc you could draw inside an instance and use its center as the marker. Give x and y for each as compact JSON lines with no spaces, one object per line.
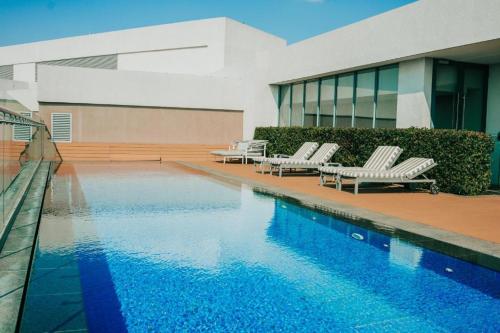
{"x":289,"y":161}
{"x":260,"y":158}
{"x":304,"y":152}
{"x":381,"y":159}
{"x":409,"y":169}
{"x":325,"y":152}
{"x":322,"y":155}
{"x":243,"y":148}
{"x":337,"y":169}
{"x":228,"y":152}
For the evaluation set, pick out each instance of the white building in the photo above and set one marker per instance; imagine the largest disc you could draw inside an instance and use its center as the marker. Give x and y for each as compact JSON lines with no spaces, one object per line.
{"x":433,"y":63}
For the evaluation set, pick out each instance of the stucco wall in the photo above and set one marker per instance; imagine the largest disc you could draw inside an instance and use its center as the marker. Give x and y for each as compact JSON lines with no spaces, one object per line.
{"x":122,"y":124}
{"x":24,"y":93}
{"x":110,"y":87}
{"x":187,"y":60}
{"x":414,"y":93}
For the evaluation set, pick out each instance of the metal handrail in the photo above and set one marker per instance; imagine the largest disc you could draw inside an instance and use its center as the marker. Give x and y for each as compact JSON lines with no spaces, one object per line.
{"x":11,"y":117}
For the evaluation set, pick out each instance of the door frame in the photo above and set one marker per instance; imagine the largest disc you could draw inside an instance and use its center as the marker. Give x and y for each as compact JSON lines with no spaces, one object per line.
{"x":460,"y":67}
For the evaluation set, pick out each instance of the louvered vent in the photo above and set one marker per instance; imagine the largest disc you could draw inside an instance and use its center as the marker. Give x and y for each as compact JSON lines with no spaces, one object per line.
{"x":61,"y":127}
{"x":7,"y":72}
{"x":22,"y":133}
{"x":105,"y":61}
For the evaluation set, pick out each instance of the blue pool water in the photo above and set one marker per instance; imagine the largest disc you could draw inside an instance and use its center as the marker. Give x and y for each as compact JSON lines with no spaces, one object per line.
{"x":152,"y":248}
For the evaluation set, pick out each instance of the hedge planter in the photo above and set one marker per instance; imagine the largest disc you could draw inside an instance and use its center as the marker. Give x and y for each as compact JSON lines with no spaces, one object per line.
{"x":463,"y":157}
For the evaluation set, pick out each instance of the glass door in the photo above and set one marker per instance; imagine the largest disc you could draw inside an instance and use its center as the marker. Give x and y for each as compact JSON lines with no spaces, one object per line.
{"x":459,"y":95}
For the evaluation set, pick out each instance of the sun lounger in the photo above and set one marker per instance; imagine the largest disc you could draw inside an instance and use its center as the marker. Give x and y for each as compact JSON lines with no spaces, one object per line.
{"x":321,"y":156}
{"x":242,"y":150}
{"x":406,"y":172}
{"x":303,"y":153}
{"x":383,"y":158}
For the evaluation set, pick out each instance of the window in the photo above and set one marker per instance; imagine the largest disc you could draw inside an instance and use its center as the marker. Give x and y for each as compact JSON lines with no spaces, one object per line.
{"x":284,"y":109}
{"x":326,"y":103}
{"x":61,"y":127}
{"x":311,"y":105}
{"x":104,"y":61}
{"x":387,"y":97}
{"x":365,"y":99}
{"x":345,"y":92}
{"x":7,"y":72}
{"x":20,"y":132}
{"x":297,"y":101}
{"x":109,"y":61}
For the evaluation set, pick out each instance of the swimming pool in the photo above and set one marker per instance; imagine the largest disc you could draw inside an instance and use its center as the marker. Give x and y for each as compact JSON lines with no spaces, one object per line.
{"x":156,"y":248}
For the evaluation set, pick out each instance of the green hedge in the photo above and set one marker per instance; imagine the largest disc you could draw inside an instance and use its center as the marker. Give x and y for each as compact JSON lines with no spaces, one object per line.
{"x":463,"y":157}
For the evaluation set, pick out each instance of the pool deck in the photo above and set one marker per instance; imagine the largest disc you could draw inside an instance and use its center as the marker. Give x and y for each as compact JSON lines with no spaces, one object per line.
{"x":469,"y":222}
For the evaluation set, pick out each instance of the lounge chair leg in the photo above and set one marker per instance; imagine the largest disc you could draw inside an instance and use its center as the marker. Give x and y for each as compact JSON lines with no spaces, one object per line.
{"x":281,"y":172}
{"x":321,"y":180}
{"x":338,"y":183}
{"x":224,"y":160}
{"x":356,"y":186}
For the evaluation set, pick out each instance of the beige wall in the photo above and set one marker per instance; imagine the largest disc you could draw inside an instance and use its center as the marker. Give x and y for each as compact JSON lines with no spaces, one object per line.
{"x":125,"y":124}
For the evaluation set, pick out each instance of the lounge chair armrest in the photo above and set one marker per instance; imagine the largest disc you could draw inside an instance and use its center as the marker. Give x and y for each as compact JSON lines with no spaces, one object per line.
{"x":330,"y":164}
{"x":281,"y":156}
{"x":234,"y":144}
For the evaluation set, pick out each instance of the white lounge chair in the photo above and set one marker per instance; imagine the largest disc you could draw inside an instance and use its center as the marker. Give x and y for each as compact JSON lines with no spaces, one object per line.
{"x":242,"y":150}
{"x":303,"y":153}
{"x":383,"y":158}
{"x":405,"y":172}
{"x":321,"y":156}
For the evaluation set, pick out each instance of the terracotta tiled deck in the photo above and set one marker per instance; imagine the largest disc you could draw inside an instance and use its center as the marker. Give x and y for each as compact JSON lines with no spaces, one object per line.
{"x":477,"y":217}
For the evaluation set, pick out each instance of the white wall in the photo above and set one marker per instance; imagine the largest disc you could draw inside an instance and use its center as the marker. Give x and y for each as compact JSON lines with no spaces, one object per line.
{"x":25,"y":72}
{"x":414,"y":93}
{"x":161,"y":37}
{"x":24,"y":93}
{"x":247,"y":55}
{"x":102,"y":86}
{"x":245,"y":45}
{"x":408,"y":32}
{"x":200,"y":60}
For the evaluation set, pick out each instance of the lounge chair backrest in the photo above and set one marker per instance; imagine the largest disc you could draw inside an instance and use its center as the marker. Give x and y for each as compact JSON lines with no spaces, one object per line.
{"x":305,"y":151}
{"x":324,"y":153}
{"x":413,"y":167}
{"x":257,"y":146}
{"x":383,"y":158}
{"x":242,"y":145}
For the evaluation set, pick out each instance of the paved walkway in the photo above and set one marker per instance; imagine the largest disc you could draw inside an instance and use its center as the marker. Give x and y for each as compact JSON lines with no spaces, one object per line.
{"x":477,"y":217}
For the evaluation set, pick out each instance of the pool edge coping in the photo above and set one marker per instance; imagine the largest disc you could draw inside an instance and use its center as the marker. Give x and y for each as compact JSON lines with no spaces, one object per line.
{"x":378,"y":219}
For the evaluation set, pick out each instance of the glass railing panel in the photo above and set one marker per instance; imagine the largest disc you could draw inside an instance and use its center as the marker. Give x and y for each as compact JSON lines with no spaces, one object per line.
{"x":24,"y":144}
{"x":7,"y":101}
{"x":2,"y":182}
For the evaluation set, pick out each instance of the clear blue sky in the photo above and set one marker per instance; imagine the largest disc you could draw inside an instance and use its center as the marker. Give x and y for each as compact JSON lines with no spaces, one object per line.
{"x":23,"y":21}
